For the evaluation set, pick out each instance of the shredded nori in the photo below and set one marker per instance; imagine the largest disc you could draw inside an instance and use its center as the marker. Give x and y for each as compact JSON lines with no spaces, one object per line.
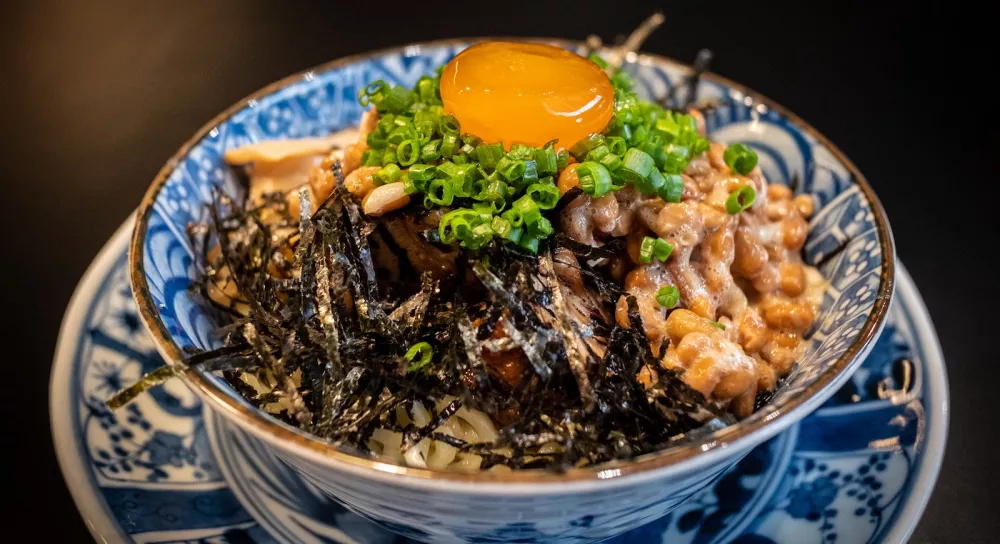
{"x":323,"y":338}
{"x":316,"y":336}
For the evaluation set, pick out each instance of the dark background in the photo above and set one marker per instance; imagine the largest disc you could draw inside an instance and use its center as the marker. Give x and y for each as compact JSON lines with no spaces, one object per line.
{"x":96,"y":96}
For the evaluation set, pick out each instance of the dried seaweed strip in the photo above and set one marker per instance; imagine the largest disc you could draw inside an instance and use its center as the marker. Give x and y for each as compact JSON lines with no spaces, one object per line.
{"x":365,"y":292}
{"x":473,"y":357}
{"x":277,"y":366}
{"x":154,"y":378}
{"x":410,"y":314}
{"x":530,"y":348}
{"x":327,"y":317}
{"x":336,"y":399}
{"x":565,"y":200}
{"x":562,"y":323}
{"x":450,"y":440}
{"x":229,"y":256}
{"x":413,"y":434}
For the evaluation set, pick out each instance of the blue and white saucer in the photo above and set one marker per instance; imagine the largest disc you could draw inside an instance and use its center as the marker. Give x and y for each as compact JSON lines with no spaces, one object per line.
{"x":860,"y":469}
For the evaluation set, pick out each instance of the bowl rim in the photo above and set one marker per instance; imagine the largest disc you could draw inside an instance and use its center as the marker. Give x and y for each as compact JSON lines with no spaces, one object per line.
{"x":298,"y":442}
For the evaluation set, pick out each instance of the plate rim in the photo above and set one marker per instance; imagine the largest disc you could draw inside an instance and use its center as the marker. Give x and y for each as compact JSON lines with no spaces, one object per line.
{"x":938,"y":398}
{"x":78,"y":476}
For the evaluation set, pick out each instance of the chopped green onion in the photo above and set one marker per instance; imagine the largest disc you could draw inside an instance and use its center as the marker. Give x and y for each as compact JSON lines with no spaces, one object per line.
{"x":469,"y":151}
{"x":669,"y":126}
{"x":657,"y":248}
{"x":501,"y":227}
{"x":426,"y":117}
{"x":427,"y":89}
{"x":581,"y":148}
{"x":529,"y":242}
{"x":668,"y":296}
{"x":717,"y":325}
{"x":386,"y":123}
{"x":479,"y":236}
{"x":409,"y":186}
{"x":562,"y":159}
{"x":740,"y":199}
{"x":484,"y":212}
{"x":489,"y":155}
{"x":637,"y":165}
{"x":700,"y":146}
{"x":611,"y":161}
{"x":530,"y":174}
{"x":510,"y":169}
{"x":371,"y":157}
{"x":373,"y":93}
{"x":740,"y":158}
{"x":461,"y":185}
{"x":388,"y":156}
{"x":421,"y":172}
{"x":515,"y":234}
{"x":471,"y":139}
{"x":652,"y":184}
{"x":397,"y":100}
{"x":596,"y":59}
{"x":456,"y":224}
{"x":431,"y":151}
{"x":408,"y":152}
{"x":662,"y":250}
{"x":447,"y":124}
{"x":525,"y":211}
{"x":449,"y":144}
{"x":638,"y":136}
{"x":388,"y":174}
{"x":545,"y":161}
{"x":514,"y":218}
{"x":618,"y":181}
{"x":676,"y":159}
{"x":447,"y":169}
{"x":376,"y":139}
{"x":672,"y":189}
{"x":657,"y":151}
{"x":491,"y":190}
{"x":616,"y":145}
{"x":438,"y":192}
{"x":459,"y":158}
{"x":545,"y":195}
{"x":598,"y":153}
{"x":646,"y":250}
{"x":419,"y":355}
{"x":425,"y":131}
{"x":520,"y":151}
{"x":595,"y":180}
{"x":542,"y":228}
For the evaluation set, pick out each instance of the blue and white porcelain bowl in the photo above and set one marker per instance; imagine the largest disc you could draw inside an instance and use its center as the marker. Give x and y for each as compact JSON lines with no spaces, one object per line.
{"x":850,"y":242}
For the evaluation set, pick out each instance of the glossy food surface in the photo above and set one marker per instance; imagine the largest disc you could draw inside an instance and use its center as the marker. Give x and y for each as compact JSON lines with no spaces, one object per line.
{"x":526,"y":93}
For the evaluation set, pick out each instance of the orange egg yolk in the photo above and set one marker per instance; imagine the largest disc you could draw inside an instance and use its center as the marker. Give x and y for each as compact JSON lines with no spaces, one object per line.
{"x":526,"y":93}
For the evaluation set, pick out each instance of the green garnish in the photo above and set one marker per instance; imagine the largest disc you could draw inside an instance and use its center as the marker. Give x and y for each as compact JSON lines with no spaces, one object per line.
{"x":740,"y":199}
{"x":668,"y":296}
{"x":740,"y":158}
{"x":657,"y":248}
{"x":505,"y":194}
{"x":419,"y":355}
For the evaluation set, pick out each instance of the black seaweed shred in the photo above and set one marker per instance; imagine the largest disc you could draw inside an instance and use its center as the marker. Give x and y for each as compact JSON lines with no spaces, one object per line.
{"x":321,"y":338}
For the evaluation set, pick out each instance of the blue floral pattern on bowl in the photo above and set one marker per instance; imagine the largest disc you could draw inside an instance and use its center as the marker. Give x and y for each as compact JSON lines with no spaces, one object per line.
{"x":851,"y":248}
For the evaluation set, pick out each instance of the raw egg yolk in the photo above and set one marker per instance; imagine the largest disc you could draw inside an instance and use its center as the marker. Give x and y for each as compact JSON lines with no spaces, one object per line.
{"x":526,"y":93}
